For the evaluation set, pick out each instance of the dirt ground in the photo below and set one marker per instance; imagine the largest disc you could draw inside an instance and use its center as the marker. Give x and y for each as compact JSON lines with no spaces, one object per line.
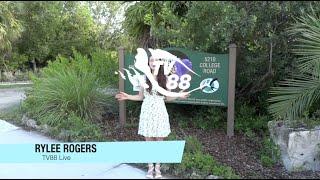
{"x":238,"y":152}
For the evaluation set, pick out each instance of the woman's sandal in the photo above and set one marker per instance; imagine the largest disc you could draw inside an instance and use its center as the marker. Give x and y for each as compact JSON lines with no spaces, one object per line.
{"x":150,"y":171}
{"x":158,"y":172}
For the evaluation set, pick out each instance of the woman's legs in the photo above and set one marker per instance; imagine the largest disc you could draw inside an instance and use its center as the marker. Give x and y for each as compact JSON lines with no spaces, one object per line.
{"x":159,"y":138}
{"x":150,"y":138}
{"x":150,"y":165}
{"x":157,"y":167}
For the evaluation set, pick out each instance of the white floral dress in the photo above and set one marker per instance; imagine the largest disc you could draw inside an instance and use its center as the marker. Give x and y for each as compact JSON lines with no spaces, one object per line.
{"x":154,"y":118}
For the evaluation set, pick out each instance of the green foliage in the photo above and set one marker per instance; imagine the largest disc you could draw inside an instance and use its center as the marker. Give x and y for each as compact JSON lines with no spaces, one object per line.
{"x":105,"y":14}
{"x":306,"y":122}
{"x":307,"y":27}
{"x":209,"y":118}
{"x":18,"y":61}
{"x":133,"y":110}
{"x":270,"y":152}
{"x":13,"y":114}
{"x":66,"y":87}
{"x":138,"y":19}
{"x":219,"y":20}
{"x":266,"y":161}
{"x":172,"y":136}
{"x":73,"y":128}
{"x":104,"y":64}
{"x":193,"y":145}
{"x":10,"y":27}
{"x":247,"y":121}
{"x":197,"y":164}
{"x":184,"y":122}
{"x":66,"y":97}
{"x":10,"y":31}
{"x":52,"y":28}
{"x":249,"y":133}
{"x":293,"y":97}
{"x":196,"y":161}
{"x":225,"y":171}
{"x":202,"y":117}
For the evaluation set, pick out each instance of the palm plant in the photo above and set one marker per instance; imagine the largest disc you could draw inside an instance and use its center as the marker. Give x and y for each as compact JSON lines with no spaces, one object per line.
{"x":295,"y":96}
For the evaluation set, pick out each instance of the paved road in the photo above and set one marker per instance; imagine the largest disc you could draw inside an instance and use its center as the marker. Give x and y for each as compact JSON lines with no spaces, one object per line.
{"x":10,"y":97}
{"x":12,"y":134}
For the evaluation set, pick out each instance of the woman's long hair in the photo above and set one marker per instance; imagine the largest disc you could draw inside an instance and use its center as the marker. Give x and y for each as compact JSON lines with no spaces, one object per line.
{"x":161,"y":79}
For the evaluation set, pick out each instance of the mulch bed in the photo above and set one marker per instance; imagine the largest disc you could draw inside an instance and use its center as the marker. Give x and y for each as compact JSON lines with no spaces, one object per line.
{"x":238,"y":152}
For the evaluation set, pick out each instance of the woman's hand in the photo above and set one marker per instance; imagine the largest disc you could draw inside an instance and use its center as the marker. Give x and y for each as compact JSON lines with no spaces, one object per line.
{"x":184,"y":95}
{"x":122,"y":96}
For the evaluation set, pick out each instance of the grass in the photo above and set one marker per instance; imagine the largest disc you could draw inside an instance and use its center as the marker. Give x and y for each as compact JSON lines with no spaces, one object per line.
{"x":7,"y":86}
{"x":12,"y":114}
{"x":73,"y":129}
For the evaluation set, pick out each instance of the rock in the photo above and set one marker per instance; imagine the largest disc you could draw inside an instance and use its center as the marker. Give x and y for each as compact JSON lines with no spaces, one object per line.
{"x":165,"y":167}
{"x":213,"y":177}
{"x":303,"y":150}
{"x":317,"y":127}
{"x":279,"y":133}
{"x":299,"y":147}
{"x":8,"y":76}
{"x":29,"y":122}
{"x":24,"y":119}
{"x":194,"y":175}
{"x":108,"y":133}
{"x":45,"y":128}
{"x":64,"y":134}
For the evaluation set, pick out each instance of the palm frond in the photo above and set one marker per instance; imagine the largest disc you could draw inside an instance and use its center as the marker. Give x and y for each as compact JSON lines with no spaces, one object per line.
{"x":294,"y":96}
{"x":308,"y":42}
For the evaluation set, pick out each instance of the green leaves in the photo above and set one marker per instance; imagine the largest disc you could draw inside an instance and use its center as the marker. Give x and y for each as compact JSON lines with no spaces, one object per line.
{"x":10,"y":29}
{"x":53,"y":28}
{"x":294,"y":96}
{"x":308,"y":47}
{"x":68,"y":87}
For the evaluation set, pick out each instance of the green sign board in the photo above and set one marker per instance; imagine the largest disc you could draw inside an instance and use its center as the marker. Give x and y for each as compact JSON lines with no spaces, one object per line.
{"x":213,"y":71}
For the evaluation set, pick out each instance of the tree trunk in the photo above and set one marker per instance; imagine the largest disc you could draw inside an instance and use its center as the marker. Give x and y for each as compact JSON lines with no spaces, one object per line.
{"x":259,"y":85}
{"x":34,"y":65}
{"x":270,"y":57}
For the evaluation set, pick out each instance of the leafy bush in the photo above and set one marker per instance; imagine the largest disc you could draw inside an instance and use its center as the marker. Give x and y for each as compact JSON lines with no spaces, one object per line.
{"x":249,"y":133}
{"x":104,"y":64}
{"x":172,"y":136}
{"x":224,"y":171}
{"x":209,"y":118}
{"x":193,"y":145}
{"x":270,"y":152}
{"x":247,"y":121}
{"x":266,"y":161}
{"x":66,"y":97}
{"x":18,"y":61}
{"x":197,"y":164}
{"x":133,"y":110}
{"x":77,"y":129}
{"x":13,"y":114}
{"x":62,"y":90}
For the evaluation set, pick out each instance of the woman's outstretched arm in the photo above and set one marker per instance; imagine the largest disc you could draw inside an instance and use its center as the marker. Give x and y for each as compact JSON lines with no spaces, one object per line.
{"x":168,"y":98}
{"x":124,"y":96}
